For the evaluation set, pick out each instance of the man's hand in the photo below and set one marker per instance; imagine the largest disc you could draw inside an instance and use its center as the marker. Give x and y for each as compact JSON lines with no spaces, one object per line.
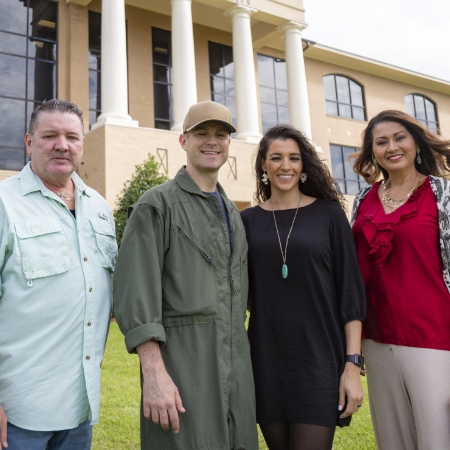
{"x":161,"y":399}
{"x":3,"y":430}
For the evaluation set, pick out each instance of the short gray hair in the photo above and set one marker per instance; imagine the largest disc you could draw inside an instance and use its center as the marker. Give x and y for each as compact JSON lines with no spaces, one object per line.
{"x":51,"y":106}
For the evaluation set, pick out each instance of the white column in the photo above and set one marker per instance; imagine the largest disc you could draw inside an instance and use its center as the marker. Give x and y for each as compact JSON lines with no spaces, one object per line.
{"x":183,"y":62}
{"x":244,"y":74}
{"x":296,"y":77}
{"x":114,"y":66}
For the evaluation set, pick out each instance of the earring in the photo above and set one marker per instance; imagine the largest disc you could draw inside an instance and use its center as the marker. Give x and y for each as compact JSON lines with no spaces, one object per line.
{"x":265,"y":178}
{"x":303,"y":177}
{"x":419,"y":159}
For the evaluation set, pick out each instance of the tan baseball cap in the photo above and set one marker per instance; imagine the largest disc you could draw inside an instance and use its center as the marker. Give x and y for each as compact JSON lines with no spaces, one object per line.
{"x":205,"y":112}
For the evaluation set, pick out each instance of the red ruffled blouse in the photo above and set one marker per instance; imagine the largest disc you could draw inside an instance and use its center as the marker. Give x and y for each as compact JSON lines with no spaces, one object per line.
{"x":407,"y":300}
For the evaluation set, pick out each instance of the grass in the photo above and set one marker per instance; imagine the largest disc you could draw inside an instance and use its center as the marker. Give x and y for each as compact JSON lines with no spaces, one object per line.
{"x":120,"y":403}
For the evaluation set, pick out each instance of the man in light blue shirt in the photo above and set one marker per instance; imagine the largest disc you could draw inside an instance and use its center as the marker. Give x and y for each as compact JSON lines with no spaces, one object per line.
{"x":57,"y":253}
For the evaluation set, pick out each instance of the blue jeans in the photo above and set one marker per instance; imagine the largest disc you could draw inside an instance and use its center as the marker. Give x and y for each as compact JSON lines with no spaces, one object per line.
{"x":78,"y":438}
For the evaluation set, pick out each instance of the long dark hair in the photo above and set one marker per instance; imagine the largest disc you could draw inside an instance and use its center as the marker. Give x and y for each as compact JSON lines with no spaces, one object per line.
{"x":319,"y":183}
{"x":434,"y":150}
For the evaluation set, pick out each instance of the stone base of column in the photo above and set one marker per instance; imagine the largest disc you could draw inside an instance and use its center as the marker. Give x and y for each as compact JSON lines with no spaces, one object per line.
{"x":249,"y":137}
{"x":126,"y":121}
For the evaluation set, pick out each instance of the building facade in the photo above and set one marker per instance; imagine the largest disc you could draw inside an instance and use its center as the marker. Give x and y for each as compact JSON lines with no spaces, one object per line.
{"x":136,"y":66}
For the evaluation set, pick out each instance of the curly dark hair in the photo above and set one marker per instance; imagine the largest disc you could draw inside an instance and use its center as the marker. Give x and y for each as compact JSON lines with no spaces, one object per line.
{"x":434,"y":150}
{"x":319,"y":183}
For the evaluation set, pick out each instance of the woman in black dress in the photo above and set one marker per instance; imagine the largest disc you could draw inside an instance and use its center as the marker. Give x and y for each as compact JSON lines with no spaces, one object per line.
{"x":307,"y":297}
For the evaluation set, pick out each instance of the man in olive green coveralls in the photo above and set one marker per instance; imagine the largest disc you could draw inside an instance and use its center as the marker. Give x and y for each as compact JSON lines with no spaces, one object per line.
{"x":180,"y":298}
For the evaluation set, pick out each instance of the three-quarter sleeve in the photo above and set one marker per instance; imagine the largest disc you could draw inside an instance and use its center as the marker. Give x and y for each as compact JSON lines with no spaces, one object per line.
{"x":137,"y":278}
{"x":349,"y":283}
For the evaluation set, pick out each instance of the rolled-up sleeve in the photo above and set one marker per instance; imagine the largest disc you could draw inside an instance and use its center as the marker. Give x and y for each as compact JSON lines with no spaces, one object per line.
{"x":137,"y":278}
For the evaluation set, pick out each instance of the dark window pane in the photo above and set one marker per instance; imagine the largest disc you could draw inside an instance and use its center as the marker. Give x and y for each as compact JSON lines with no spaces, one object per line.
{"x":267,"y":95}
{"x":336,"y":161}
{"x":95,"y":31}
{"x":343,"y":93}
{"x":352,"y":187}
{"x":358,"y":113}
{"x":13,"y":16}
{"x":215,"y":59}
{"x":356,"y":93}
{"x":12,"y":125}
{"x":345,"y":110}
{"x":266,"y":71}
{"x":93,"y":117}
{"x":410,"y":105}
{"x":330,"y":88}
{"x":229,"y":88}
{"x":162,"y":101}
{"x":231,"y":105}
{"x":332,"y":108}
{"x":95,"y":90}
{"x":12,"y":76}
{"x":162,"y":125}
{"x":41,"y":80}
{"x":218,"y":85}
{"x":43,"y":20}
{"x":420,"y":107}
{"x":268,"y":115}
{"x":282,"y":98}
{"x":349,"y":173}
{"x":161,"y":73}
{"x":283,"y":115}
{"x":11,"y":43}
{"x":11,"y":159}
{"x":161,"y":46}
{"x":430,"y":110}
{"x":42,"y":50}
{"x":218,"y":98}
{"x":280,"y":74}
{"x":95,"y":61}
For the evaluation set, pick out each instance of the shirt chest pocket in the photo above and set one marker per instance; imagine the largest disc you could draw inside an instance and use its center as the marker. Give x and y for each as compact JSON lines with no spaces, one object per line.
{"x":43,"y":247}
{"x":106,"y":242}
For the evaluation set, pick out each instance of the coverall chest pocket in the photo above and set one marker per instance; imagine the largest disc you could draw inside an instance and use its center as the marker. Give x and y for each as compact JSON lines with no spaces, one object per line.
{"x":106,"y":242}
{"x":192,"y":287}
{"x":43,"y":247}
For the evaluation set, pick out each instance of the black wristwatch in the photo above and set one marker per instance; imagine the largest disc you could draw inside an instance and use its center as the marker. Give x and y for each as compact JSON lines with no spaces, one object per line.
{"x":356,"y":359}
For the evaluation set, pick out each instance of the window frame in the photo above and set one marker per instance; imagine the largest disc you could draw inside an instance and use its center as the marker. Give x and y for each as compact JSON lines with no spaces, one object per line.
{"x":342,"y":182}
{"x":30,"y":37}
{"x":350,"y":104}
{"x":426,"y":122}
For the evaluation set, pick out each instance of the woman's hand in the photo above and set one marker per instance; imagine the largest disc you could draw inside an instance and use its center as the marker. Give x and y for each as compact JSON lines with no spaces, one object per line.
{"x":350,"y":388}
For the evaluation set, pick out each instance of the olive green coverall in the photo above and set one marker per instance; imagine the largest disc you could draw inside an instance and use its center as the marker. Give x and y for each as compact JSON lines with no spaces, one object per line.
{"x":178,"y":281}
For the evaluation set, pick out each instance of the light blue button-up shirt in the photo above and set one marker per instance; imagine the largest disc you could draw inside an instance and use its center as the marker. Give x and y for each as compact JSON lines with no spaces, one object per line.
{"x":55,"y":302}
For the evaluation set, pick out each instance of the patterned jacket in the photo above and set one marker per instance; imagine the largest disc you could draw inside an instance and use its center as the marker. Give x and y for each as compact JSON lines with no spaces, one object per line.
{"x":441,"y":190}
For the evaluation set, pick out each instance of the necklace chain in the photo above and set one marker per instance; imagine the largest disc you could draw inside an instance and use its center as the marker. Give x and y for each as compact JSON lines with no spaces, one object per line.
{"x":388,"y":202}
{"x":284,"y":271}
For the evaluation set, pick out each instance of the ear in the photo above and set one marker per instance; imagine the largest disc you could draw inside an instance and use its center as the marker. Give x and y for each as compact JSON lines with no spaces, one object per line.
{"x":182,"y":140}
{"x":263,"y":165}
{"x":27,"y":140}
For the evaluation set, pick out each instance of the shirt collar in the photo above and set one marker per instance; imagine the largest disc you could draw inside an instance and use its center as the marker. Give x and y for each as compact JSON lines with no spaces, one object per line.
{"x":30,"y":182}
{"x":186,"y":183}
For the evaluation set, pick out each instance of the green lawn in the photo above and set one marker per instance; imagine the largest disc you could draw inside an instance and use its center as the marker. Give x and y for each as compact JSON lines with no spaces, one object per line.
{"x":119,"y":413}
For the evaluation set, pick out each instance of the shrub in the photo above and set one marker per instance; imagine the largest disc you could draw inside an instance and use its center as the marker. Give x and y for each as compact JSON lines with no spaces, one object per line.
{"x":145,"y":177}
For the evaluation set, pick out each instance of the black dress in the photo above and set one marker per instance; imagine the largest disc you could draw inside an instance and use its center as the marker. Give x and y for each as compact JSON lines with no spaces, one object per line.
{"x":296,"y":327}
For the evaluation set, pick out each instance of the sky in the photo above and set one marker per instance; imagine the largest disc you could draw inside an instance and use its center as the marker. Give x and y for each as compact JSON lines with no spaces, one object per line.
{"x":412,"y":34}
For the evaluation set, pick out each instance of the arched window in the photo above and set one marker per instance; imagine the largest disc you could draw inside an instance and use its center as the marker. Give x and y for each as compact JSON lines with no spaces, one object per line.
{"x":423,"y":109}
{"x":344,"y":97}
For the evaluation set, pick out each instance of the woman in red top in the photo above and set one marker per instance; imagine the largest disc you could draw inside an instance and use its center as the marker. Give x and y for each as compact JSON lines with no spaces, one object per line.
{"x":401,"y":227}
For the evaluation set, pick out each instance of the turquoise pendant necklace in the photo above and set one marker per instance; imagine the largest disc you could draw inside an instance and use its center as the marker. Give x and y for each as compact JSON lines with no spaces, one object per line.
{"x":284,"y":268}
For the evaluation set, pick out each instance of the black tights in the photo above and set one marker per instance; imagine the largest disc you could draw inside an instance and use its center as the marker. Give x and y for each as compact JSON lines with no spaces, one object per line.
{"x":297,"y":436}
